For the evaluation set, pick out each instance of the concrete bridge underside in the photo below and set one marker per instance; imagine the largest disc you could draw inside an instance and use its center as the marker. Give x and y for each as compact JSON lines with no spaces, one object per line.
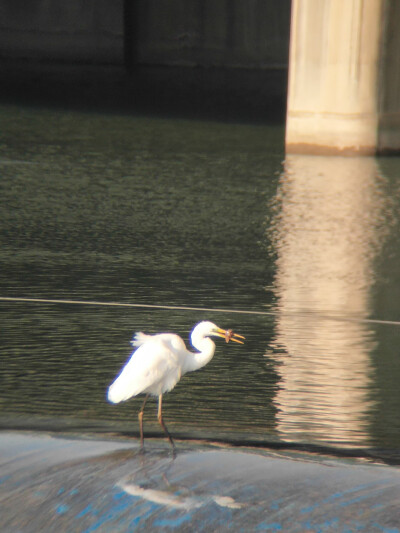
{"x":344,"y":72}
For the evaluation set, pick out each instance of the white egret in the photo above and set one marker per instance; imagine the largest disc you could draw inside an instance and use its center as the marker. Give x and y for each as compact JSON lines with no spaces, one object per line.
{"x":160,"y":361}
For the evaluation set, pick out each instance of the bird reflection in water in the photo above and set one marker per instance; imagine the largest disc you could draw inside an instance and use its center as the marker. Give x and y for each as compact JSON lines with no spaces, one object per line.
{"x":178,"y":498}
{"x":153,"y":485}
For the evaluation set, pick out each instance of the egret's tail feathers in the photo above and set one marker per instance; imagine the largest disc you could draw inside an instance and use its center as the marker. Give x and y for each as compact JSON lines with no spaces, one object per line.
{"x":122,"y":389}
{"x":139,"y":338}
{"x":117,"y":394}
{"x":113,"y":395}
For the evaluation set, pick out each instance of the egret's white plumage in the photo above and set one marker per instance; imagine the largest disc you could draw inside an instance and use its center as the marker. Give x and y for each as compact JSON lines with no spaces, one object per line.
{"x":159,"y":362}
{"x":155,"y":367}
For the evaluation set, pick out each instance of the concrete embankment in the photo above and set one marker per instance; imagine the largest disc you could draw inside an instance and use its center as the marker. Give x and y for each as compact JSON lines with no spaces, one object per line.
{"x":53,"y":483}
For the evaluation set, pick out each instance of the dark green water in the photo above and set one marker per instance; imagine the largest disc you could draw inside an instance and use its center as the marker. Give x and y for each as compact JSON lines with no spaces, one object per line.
{"x":201,"y":214}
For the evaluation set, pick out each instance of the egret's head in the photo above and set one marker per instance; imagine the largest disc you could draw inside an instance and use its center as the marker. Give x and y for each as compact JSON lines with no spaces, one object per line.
{"x":209,"y":329}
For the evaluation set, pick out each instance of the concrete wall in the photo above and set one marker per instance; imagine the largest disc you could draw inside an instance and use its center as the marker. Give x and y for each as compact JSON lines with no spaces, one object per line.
{"x":245,"y":33}
{"x":57,"y":30}
{"x":251,"y":33}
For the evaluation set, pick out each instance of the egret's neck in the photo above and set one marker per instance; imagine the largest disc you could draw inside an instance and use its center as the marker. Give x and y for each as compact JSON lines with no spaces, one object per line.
{"x":206,"y":348}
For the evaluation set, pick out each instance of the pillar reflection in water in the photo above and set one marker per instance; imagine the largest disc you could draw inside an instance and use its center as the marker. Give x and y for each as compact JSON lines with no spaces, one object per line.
{"x":326,"y":233}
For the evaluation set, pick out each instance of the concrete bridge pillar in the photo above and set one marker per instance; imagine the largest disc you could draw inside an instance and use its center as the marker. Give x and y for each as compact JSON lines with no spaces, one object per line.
{"x":344,"y":77}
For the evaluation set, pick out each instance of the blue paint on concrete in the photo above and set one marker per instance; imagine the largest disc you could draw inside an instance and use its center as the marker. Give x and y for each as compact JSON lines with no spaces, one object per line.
{"x":274,"y":506}
{"x":85,"y":511}
{"x":387,"y":529}
{"x":62,"y":508}
{"x":142,"y":508}
{"x":333,"y":524}
{"x":112,"y":513}
{"x":152,"y":508}
{"x":360,"y":498}
{"x":262,"y":493}
{"x":342,"y":494}
{"x":120,"y":503}
{"x":330,"y":523}
{"x":173,"y":523}
{"x":120,"y":495}
{"x":273,"y":526}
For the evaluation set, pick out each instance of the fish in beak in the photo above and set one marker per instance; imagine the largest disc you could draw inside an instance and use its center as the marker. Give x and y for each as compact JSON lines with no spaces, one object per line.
{"x":229,"y":335}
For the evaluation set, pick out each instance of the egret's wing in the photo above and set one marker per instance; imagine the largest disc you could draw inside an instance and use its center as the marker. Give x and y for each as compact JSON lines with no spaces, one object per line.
{"x":153,"y":367}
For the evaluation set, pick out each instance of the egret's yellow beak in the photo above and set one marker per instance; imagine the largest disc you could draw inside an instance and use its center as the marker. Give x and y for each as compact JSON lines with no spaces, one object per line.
{"x":229,"y":335}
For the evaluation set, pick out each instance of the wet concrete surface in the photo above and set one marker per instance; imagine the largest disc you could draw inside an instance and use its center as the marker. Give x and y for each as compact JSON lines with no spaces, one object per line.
{"x":56,"y":483}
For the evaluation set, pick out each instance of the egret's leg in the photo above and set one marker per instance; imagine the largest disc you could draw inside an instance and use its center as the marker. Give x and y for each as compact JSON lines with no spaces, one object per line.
{"x":140,"y":416}
{"x":161,"y":421}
